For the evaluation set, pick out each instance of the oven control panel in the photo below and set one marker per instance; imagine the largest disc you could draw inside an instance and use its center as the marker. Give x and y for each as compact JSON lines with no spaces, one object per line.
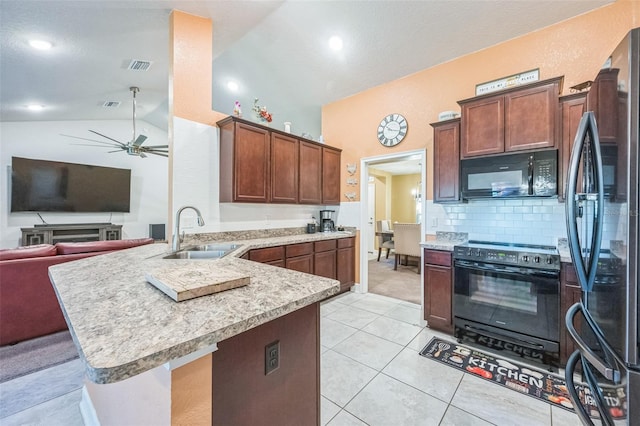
{"x":507,"y":256}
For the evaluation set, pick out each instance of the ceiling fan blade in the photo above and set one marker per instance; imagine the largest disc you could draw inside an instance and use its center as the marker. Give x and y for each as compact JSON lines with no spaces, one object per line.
{"x":139,"y":140}
{"x":158,"y":153}
{"x":91,"y":140}
{"x":111,"y":139}
{"x":117,"y":150}
{"x":157,"y":146}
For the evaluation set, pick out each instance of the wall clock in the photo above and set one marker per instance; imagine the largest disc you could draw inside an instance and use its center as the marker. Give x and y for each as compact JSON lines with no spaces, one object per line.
{"x":392,"y":129}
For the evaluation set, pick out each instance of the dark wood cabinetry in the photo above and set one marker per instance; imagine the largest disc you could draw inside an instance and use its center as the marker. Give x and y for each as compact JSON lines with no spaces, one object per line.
{"x":602,"y":99}
{"x":520,"y":118}
{"x":346,"y":262}
{"x":244,"y":163}
{"x":570,"y":293}
{"x":330,"y":176}
{"x":299,"y":257}
{"x":334,"y":259}
{"x":446,"y":161}
{"x":284,"y":169}
{"x":310,"y":190}
{"x":324,"y":259}
{"x":261,"y":165}
{"x":572,"y":108}
{"x":244,"y":395}
{"x":438,"y":290}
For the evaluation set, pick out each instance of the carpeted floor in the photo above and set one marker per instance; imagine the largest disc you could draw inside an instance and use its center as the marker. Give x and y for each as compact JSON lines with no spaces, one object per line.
{"x":36,"y":354}
{"x":403,"y":284}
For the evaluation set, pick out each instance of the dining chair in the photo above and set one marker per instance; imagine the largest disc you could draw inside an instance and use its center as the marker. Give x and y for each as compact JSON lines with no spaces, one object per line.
{"x":406,"y":237}
{"x":384,"y":241}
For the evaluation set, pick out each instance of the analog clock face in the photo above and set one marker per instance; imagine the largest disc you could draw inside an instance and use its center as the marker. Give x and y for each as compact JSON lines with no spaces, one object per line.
{"x":392,"y":129}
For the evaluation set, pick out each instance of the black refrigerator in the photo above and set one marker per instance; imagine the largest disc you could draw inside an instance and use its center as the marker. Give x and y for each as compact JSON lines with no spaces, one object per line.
{"x":603,"y":374}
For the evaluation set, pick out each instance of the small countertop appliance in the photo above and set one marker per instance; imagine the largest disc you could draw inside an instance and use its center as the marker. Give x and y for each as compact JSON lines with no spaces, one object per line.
{"x":326,"y":221}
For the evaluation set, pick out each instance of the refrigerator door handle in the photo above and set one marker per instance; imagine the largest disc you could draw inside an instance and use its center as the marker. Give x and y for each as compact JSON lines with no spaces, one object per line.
{"x":570,"y":369}
{"x":587,"y":132}
{"x":606,"y":370}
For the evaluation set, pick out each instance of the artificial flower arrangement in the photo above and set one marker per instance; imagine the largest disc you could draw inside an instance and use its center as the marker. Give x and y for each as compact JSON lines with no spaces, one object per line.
{"x":261,"y":111}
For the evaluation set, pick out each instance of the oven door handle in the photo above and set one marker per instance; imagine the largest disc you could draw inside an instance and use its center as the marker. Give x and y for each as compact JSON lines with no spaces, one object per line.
{"x":608,"y":371}
{"x":507,"y":269}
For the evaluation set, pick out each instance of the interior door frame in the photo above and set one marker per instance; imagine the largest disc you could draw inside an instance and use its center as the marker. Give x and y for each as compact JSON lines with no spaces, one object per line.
{"x":363,"y":285}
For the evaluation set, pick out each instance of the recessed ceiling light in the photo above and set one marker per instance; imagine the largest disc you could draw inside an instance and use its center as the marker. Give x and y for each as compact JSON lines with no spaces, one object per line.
{"x":335,"y":43}
{"x":233,"y":86}
{"x":40,"y":44}
{"x":35,"y":107}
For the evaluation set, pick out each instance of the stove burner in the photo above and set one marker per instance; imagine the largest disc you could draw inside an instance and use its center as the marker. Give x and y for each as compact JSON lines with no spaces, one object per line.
{"x":524,"y":255}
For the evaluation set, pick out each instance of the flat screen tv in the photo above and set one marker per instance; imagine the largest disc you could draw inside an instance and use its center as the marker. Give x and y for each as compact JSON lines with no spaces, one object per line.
{"x":54,"y":186}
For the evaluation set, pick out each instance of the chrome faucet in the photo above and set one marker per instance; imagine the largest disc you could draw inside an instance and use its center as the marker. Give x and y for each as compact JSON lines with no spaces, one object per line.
{"x":176,"y":232}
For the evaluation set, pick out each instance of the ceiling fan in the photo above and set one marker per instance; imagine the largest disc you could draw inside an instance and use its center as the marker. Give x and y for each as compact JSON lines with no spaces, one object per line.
{"x":133,"y":147}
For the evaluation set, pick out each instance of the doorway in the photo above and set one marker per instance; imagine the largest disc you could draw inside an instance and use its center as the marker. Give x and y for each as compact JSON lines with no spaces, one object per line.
{"x":379,"y":173}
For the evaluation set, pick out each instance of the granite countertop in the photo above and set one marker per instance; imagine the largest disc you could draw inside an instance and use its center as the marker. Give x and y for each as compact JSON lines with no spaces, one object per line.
{"x":124,"y":326}
{"x":445,"y":241}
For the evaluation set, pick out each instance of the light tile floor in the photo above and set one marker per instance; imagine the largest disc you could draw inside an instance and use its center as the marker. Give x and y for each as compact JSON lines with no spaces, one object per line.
{"x":371,"y":374}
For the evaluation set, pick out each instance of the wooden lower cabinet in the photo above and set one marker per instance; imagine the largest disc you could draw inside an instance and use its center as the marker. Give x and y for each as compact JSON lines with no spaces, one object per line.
{"x":324,"y":259}
{"x":244,"y":394}
{"x":299,"y":257}
{"x":570,"y":293}
{"x":335,"y":259}
{"x":346,"y":262}
{"x":438,"y":290}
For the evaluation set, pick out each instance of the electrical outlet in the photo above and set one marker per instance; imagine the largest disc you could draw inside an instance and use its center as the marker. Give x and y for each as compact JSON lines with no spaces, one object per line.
{"x":271,"y":357}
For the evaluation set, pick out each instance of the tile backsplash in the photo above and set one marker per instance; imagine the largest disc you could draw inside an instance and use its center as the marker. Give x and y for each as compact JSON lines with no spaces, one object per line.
{"x":528,"y":221}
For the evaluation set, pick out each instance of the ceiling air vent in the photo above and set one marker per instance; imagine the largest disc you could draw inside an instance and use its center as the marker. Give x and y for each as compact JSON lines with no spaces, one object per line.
{"x":111,"y":104}
{"x":138,"y":65}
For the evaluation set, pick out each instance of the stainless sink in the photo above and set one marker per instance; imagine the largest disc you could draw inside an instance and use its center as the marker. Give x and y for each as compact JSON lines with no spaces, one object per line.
{"x":204,"y":251}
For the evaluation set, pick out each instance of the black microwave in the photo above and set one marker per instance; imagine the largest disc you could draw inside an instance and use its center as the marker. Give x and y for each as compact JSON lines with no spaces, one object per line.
{"x":526,"y":174}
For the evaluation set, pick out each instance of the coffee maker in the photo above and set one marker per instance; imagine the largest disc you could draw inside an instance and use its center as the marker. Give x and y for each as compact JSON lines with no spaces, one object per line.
{"x":326,"y":221}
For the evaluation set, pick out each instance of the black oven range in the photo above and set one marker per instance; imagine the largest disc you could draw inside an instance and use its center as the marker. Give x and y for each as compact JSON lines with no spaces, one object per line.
{"x":507,"y":299}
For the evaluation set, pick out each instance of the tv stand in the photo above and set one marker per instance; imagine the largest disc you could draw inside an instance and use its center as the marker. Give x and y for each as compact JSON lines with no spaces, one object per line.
{"x":71,"y":232}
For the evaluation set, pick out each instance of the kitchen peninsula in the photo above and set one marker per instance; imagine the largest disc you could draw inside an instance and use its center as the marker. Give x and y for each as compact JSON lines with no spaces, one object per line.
{"x":151,"y":360}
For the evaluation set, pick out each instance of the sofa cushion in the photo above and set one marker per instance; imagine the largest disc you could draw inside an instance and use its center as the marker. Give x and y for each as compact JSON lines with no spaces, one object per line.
{"x":25,"y":252}
{"x":92,"y":246}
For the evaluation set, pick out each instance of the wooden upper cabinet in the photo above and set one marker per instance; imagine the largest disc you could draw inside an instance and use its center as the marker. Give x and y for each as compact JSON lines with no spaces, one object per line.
{"x":330,"y":176}
{"x":446,"y":161}
{"x":603,"y":100}
{"x":310,"y":181}
{"x":483,"y":127}
{"x":520,"y":118}
{"x":572,"y":107}
{"x":245,"y":152}
{"x":284,"y":169}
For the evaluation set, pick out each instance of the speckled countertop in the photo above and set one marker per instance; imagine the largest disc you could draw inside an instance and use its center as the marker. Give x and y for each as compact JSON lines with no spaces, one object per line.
{"x":124,"y":326}
{"x":445,"y":240}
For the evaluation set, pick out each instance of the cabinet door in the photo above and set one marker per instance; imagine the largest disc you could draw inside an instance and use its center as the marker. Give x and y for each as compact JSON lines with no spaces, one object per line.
{"x":437,"y":294}
{"x":284,"y":169}
{"x":570,"y":293}
{"x":301,"y":263}
{"x":346,"y":272}
{"x":330,"y":176}
{"x":446,"y":161}
{"x":482,"y":124}
{"x":572,"y":109}
{"x":324,"y":264}
{"x":603,"y":101}
{"x":310,"y":182}
{"x":530,"y":118}
{"x":268,"y":255}
{"x":251,"y":164}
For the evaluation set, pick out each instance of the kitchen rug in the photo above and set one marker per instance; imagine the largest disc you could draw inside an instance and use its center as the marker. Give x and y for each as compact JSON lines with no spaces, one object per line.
{"x":538,"y":384}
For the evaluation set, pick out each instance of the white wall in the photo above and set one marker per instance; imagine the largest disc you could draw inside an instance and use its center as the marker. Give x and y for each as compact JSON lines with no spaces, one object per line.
{"x":43,"y":140}
{"x":196,"y":182}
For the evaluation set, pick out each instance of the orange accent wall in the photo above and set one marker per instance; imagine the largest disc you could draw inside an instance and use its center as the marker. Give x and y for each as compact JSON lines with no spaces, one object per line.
{"x":190,"y":68}
{"x":575,"y":48}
